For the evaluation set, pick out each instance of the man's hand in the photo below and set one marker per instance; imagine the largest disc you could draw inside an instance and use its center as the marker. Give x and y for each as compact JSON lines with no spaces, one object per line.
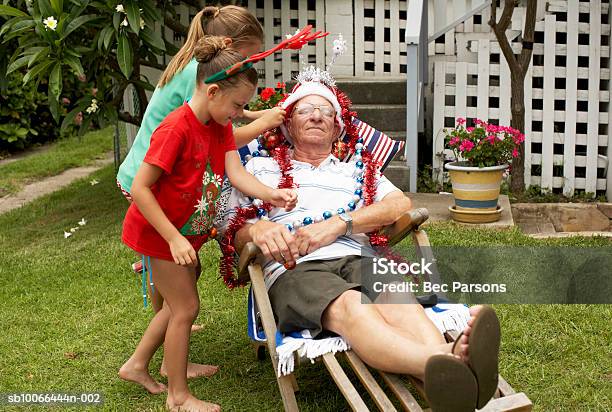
{"x":275,"y":241}
{"x":285,"y":198}
{"x":312,"y":237}
{"x":182,"y":251}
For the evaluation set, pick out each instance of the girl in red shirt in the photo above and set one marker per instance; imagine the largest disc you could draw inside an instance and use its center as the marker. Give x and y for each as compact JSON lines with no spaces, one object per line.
{"x":174,"y":195}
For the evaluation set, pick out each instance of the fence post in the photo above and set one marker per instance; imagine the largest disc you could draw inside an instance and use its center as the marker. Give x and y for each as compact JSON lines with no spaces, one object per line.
{"x":416,"y":43}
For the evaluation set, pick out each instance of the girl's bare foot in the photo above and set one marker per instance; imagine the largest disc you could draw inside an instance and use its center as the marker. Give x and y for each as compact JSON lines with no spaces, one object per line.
{"x":196,"y":328}
{"x":194,"y":370}
{"x":130,"y":373}
{"x":191,"y":404}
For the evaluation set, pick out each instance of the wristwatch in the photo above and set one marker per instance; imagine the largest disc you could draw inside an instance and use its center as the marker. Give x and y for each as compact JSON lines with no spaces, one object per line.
{"x":349,"y":223}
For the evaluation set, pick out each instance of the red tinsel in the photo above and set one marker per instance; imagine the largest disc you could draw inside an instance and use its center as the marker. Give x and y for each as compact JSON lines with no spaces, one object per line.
{"x":347,"y":117}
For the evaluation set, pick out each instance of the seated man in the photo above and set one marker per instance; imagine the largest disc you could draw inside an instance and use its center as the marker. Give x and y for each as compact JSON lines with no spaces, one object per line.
{"x":322,"y":292}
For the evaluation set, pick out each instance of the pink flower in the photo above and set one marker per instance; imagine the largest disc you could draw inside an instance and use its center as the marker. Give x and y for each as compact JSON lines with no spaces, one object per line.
{"x":466,"y":146}
{"x":94,"y":91}
{"x":460,"y":120}
{"x":469,"y":129}
{"x":78,"y":119}
{"x":65,"y":100}
{"x":515,"y":152}
{"x":453,"y":141}
{"x":82,"y":78}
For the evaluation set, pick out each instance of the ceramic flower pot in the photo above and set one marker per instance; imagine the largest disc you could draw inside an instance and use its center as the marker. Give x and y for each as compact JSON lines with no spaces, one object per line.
{"x":476,"y":192}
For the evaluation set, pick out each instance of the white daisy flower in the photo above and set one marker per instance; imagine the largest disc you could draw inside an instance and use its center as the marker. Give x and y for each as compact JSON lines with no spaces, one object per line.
{"x":93,"y":182}
{"x":50,"y":23}
{"x":82,"y":222}
{"x":67,"y":234}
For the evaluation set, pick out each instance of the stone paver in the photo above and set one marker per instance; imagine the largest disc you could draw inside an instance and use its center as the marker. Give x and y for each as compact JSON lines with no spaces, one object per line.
{"x":437,"y":205}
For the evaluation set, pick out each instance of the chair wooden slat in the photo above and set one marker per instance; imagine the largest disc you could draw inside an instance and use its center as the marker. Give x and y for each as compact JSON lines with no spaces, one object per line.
{"x":285,"y":383}
{"x":344,"y":384}
{"x":366,"y":378}
{"x":403,"y":394}
{"x":405,"y":224}
{"x":518,"y":402}
{"x":248,"y":255}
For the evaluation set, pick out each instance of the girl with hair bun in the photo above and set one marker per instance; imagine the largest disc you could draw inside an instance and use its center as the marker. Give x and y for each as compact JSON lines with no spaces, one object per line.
{"x":242,"y":32}
{"x":172,"y":215}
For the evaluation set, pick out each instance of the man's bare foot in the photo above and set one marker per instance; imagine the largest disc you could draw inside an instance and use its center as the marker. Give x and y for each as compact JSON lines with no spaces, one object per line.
{"x":196,"y":328}
{"x":191,"y":404}
{"x":194,"y":370}
{"x":462,"y":347}
{"x":140,"y":376}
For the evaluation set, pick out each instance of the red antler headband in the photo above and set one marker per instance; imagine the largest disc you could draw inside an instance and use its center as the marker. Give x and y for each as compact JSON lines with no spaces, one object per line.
{"x":295,"y":42}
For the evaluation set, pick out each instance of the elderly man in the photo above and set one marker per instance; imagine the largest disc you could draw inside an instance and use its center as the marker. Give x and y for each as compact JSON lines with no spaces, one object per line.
{"x":322,"y":292}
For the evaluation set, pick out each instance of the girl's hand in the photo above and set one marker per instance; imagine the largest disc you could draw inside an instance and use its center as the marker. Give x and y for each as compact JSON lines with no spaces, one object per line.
{"x":273,"y":117}
{"x":285,"y":198}
{"x":182,"y":251}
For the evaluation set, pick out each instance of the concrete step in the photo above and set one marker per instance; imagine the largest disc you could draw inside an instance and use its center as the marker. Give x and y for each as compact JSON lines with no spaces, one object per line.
{"x":368,"y":90}
{"x":396,"y":134}
{"x":399,"y":174}
{"x":389,"y":117}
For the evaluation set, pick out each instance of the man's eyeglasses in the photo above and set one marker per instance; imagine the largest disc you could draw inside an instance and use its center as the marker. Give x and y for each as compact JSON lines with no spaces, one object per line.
{"x":306,"y":109}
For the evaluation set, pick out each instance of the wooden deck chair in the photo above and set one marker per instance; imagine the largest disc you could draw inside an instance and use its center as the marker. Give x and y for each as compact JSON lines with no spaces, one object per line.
{"x":505,"y":399}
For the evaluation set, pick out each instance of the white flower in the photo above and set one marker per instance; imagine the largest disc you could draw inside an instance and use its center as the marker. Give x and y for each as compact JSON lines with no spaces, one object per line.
{"x":73,"y":229}
{"x":119,"y":8}
{"x":218,"y":180}
{"x":82,"y":222}
{"x":93,"y":107}
{"x":50,"y":23}
{"x":67,"y":234}
{"x":124,"y":23}
{"x":93,"y":182}
{"x":142,"y":23}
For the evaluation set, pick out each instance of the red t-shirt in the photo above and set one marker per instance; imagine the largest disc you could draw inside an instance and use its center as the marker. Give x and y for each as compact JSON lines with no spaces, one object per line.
{"x":192,"y":156}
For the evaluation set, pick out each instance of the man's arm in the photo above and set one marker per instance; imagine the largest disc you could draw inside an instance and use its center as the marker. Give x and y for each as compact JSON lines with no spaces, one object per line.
{"x":386,"y":212}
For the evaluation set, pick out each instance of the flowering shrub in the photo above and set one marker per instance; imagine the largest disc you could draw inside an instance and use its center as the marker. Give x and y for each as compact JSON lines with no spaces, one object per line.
{"x":485,"y":144}
{"x":269,"y":97}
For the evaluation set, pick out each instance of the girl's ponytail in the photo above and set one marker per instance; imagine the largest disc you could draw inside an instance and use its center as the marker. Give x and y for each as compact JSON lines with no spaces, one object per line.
{"x":229,"y":21}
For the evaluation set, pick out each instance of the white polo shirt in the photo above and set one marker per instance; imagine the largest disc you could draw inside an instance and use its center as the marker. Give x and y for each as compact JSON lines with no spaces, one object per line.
{"x":329,"y":186}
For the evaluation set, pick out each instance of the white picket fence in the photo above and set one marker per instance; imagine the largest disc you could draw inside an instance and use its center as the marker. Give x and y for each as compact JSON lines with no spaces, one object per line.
{"x":567,"y":95}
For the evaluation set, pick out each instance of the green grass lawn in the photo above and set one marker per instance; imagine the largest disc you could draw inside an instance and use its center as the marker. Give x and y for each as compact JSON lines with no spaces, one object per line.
{"x":63,"y":154}
{"x":72,"y":313}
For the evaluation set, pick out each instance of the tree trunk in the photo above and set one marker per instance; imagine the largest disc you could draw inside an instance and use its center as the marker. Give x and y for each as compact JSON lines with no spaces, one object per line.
{"x":517,"y":104}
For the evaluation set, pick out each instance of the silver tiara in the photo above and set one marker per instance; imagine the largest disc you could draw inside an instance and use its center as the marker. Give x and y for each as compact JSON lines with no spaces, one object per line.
{"x":315,"y":74}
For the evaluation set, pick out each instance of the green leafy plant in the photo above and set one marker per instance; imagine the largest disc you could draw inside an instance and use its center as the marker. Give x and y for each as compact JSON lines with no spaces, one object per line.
{"x":103,"y":44}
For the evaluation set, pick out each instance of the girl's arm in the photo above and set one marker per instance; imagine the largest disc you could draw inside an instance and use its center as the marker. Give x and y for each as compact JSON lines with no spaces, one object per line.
{"x":269,"y":119}
{"x":182,"y":251}
{"x":250,"y":186}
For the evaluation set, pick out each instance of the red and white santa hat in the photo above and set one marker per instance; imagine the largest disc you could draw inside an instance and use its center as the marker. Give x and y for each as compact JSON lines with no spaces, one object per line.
{"x":313,"y":81}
